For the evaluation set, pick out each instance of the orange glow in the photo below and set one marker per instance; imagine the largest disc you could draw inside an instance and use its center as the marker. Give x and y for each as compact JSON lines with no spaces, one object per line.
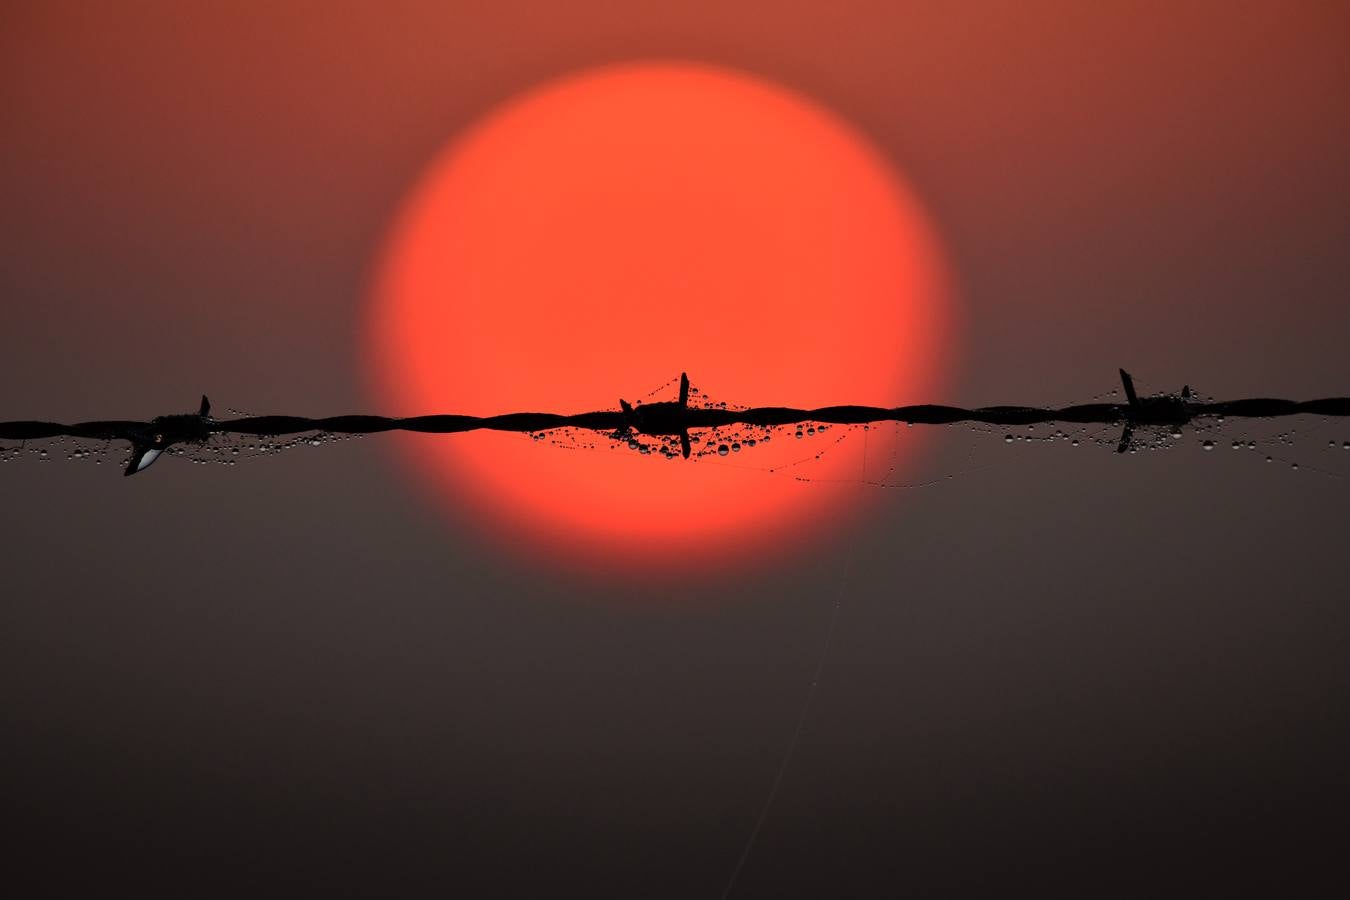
{"x":596,"y":236}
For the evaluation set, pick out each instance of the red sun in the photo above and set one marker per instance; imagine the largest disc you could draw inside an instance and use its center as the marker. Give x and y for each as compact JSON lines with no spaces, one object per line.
{"x":598,"y":235}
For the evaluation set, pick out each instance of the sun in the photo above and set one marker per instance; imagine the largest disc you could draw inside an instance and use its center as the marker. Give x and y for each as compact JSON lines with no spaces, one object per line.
{"x":605,"y":231}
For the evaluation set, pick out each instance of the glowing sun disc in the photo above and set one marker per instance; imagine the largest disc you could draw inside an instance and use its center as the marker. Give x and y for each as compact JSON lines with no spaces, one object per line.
{"x":598,"y":235}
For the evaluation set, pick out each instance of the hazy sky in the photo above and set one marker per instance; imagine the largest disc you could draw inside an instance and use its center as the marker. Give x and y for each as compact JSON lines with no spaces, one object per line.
{"x":1075,"y":672}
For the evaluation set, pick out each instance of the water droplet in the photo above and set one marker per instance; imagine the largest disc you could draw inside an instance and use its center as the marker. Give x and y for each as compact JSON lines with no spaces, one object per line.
{"x":735,"y":448}
{"x":1007,"y":439}
{"x":799,"y":435}
{"x":1074,"y":442}
{"x":1237,"y":445}
{"x":1270,"y":459}
{"x":1208,"y":445}
{"x":1294,"y":466}
{"x":315,"y":442}
{"x":722,"y":450}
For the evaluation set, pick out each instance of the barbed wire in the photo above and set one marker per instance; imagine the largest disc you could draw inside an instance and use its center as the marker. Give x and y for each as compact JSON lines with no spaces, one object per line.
{"x":1175,"y":410}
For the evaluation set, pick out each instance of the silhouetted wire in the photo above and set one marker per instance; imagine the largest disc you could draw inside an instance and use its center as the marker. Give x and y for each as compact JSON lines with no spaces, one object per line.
{"x":696,"y":418}
{"x":151,"y":439}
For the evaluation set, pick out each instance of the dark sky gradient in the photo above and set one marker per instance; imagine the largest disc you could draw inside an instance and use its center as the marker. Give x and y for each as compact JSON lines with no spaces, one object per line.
{"x":1075,"y":674}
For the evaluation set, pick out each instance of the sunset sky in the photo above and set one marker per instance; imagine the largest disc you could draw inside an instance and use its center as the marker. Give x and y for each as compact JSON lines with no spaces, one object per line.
{"x":1068,"y":673}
